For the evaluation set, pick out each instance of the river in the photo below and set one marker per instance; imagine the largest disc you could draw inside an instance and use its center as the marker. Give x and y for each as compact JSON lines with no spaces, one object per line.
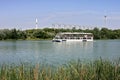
{"x":46,"y":51}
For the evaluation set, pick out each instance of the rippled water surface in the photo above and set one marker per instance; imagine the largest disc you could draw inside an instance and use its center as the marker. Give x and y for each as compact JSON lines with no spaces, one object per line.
{"x":57,"y":53}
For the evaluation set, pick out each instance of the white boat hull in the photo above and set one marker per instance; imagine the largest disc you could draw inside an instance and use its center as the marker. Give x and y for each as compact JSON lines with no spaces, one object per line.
{"x":72,"y":40}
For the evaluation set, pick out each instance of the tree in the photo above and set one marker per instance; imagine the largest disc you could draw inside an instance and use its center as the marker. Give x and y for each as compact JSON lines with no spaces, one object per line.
{"x":96,"y":33}
{"x":105,"y":33}
{"x":21,"y":34}
{"x":14,"y":34}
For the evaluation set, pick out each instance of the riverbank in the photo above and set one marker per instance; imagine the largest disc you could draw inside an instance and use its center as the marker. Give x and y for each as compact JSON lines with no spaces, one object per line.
{"x":75,"y":70}
{"x":49,"y":33}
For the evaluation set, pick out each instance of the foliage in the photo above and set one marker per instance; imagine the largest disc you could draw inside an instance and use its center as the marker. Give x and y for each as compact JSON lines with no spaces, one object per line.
{"x":12,"y":34}
{"x":96,"y":33}
{"x":75,"y":70}
{"x":40,"y":33}
{"x":49,"y":33}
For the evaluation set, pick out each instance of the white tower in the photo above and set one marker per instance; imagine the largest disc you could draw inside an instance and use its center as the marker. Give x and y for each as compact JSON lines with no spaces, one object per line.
{"x":36,"y":22}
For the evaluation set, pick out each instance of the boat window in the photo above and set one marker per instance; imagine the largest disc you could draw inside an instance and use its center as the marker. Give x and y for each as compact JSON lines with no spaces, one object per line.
{"x":84,"y":38}
{"x":89,"y":38}
{"x":77,"y":38}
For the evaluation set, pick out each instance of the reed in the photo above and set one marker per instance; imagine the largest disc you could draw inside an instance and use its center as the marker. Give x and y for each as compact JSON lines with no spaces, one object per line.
{"x":74,"y":70}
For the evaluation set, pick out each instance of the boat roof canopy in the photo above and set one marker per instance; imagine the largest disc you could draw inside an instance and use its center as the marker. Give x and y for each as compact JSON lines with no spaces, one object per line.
{"x":74,"y":33}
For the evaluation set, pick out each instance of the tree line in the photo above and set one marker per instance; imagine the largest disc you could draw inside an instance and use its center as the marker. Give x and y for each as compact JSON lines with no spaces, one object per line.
{"x":49,"y":33}
{"x":6,"y":34}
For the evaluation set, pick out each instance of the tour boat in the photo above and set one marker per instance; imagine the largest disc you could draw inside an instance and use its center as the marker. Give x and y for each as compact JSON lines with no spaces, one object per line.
{"x":73,"y":36}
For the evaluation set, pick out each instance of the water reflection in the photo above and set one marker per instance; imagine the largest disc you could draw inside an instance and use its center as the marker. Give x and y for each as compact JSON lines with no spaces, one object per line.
{"x":56,"y":53}
{"x":73,"y":50}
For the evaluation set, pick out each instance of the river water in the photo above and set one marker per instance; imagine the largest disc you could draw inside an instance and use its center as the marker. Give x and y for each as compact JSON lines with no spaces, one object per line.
{"x":57,"y":53}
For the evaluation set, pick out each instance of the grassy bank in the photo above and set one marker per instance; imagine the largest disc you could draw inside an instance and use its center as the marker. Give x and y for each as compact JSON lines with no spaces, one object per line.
{"x":75,"y":70}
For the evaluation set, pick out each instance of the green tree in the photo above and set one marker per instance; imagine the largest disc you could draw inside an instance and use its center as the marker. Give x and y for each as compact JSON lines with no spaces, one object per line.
{"x":14,"y":34}
{"x":21,"y":34}
{"x":96,"y":33}
{"x":104,"y":33}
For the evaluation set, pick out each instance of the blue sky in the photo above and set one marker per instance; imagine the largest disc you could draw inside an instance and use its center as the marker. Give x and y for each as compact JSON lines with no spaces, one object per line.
{"x":21,"y":14}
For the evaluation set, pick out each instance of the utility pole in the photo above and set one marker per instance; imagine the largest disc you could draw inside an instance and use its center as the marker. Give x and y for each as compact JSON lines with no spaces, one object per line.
{"x":105,"y":21}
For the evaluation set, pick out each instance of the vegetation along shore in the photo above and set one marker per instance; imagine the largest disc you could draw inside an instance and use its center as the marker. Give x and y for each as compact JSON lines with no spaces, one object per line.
{"x":74,"y":70}
{"x":49,"y":33}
